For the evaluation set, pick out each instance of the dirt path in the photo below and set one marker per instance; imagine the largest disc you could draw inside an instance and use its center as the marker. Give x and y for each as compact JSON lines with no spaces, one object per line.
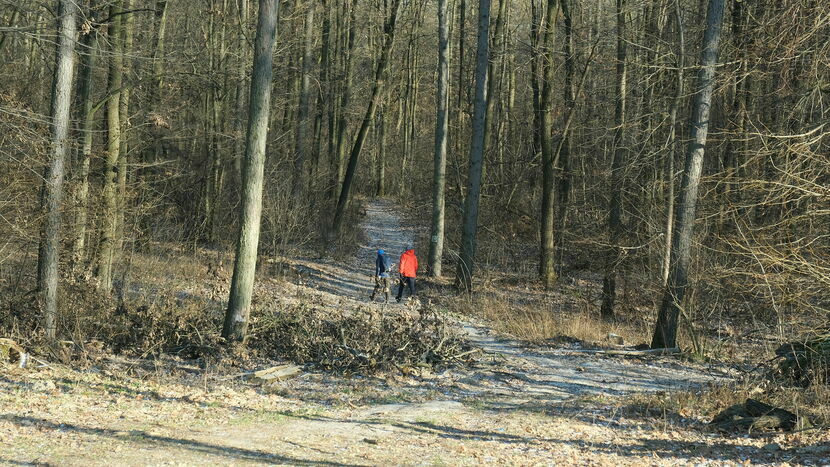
{"x":512,"y":406}
{"x":523,"y":374}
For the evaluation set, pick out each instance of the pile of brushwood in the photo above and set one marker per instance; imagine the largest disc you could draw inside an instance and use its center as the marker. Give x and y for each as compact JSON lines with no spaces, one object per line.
{"x":362,"y":341}
{"x":806,"y":362}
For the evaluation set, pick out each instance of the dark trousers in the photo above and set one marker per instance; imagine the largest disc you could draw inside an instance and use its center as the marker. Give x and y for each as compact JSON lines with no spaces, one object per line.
{"x":406,"y":282}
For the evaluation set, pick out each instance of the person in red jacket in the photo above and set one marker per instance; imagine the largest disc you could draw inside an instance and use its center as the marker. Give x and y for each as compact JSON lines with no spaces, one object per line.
{"x":408,"y":268}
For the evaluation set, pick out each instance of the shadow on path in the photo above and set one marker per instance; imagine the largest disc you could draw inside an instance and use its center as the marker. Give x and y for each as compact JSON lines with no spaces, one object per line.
{"x":165,"y":441}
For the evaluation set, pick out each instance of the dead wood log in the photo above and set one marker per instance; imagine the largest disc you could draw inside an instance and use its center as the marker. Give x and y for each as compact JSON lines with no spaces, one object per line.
{"x":275,"y":373}
{"x":756,"y":415}
{"x":629,"y":353}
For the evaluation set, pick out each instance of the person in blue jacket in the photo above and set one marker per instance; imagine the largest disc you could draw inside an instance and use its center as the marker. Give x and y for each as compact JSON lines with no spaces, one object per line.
{"x":382,"y":268}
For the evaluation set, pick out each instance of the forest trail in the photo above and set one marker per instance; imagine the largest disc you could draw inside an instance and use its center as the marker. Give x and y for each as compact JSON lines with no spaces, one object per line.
{"x":518,"y":374}
{"x":509,"y":375}
{"x":513,"y":405}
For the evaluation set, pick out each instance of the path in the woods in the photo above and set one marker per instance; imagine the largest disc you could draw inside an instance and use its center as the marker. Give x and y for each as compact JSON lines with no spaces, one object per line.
{"x":511,"y":406}
{"x":510,"y":375}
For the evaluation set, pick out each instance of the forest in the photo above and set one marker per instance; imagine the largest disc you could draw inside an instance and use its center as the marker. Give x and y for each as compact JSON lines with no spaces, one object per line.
{"x":206,"y":182}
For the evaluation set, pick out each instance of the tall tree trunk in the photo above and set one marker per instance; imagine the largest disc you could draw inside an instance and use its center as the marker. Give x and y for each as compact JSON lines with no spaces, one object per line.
{"x":389,"y":32}
{"x":665,"y":332}
{"x":86,"y":117}
{"x":156,"y":90}
{"x":460,"y":104}
{"x":239,"y":120}
{"x":124,"y":115}
{"x":107,"y":250}
{"x":346,"y":88}
{"x":439,"y":179}
{"x":672,"y":143}
{"x":466,"y":264}
{"x":61,"y":102}
{"x":615,"y":226}
{"x":496,"y":51}
{"x":547,"y":269}
{"x":305,"y":97}
{"x":244,"y":268}
{"x":563,"y":179}
{"x":380,"y":189}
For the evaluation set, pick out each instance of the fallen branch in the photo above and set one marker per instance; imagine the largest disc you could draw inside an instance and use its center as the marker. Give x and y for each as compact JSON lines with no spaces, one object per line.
{"x":629,"y":353}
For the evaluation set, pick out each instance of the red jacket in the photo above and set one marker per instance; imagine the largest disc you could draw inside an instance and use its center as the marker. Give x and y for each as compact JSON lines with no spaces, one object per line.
{"x":408,"y":264}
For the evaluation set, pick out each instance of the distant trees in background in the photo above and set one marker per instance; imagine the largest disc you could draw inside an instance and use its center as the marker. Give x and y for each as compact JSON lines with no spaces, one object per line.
{"x":559,"y":141}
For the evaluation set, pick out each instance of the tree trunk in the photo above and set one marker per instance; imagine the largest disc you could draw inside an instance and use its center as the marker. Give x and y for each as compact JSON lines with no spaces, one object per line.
{"x":380,"y":190}
{"x":107,"y":250}
{"x":665,"y":332}
{"x":87,"y":121}
{"x":346,"y":89}
{"x":239,"y":120}
{"x":389,"y":31}
{"x":547,"y":269}
{"x":61,"y":102}
{"x":615,"y":226}
{"x":672,"y":143}
{"x":303,"y":111}
{"x":156,"y":91}
{"x":563,"y":178}
{"x":436,"y":244}
{"x":244,"y":269}
{"x":466,"y":264}
{"x":124,"y":116}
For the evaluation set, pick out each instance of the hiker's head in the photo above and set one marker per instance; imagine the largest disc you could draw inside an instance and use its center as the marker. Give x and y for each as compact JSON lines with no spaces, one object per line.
{"x":380,"y":252}
{"x":409,"y":246}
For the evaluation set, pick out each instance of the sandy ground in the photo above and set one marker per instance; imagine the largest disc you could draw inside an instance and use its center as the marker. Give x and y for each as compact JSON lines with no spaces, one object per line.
{"x":514,"y":405}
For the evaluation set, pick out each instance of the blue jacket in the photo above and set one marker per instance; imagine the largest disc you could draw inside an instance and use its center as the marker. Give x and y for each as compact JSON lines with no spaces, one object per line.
{"x":382,"y":266}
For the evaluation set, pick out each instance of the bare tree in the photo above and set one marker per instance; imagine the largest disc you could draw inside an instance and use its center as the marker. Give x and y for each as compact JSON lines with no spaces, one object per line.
{"x":61,"y":101}
{"x":665,"y":332}
{"x":108,"y":247}
{"x":466,"y":264}
{"x":244,"y":269}
{"x":304,"y":99}
{"x":547,"y":270}
{"x":86,"y":117}
{"x":615,"y":223}
{"x":439,"y":178}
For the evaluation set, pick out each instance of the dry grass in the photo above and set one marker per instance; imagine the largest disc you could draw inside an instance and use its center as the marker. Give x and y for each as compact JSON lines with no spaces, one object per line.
{"x":536,"y":323}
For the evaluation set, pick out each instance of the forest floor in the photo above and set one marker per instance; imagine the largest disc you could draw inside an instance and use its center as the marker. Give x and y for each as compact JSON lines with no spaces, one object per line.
{"x":515,"y":404}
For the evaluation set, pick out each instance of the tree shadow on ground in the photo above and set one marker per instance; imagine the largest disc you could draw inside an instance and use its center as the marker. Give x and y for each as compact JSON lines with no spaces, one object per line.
{"x":659,"y":449}
{"x":138,"y":436}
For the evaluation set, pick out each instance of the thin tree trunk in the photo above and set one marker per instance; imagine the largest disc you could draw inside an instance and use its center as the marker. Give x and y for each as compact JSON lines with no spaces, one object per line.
{"x":303,"y":111}
{"x":672,"y":143}
{"x":239,"y":120}
{"x":563,"y":180}
{"x":157,"y":88}
{"x":346,"y":89}
{"x":124,"y":115}
{"x":466,"y":264}
{"x":61,"y":102}
{"x":439,"y":178}
{"x":380,"y":190}
{"x":107,"y":250}
{"x":615,"y":226}
{"x":87,"y":121}
{"x":460,"y":106}
{"x":547,"y":265}
{"x":665,"y":332}
{"x":389,"y":32}
{"x":244,"y":270}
